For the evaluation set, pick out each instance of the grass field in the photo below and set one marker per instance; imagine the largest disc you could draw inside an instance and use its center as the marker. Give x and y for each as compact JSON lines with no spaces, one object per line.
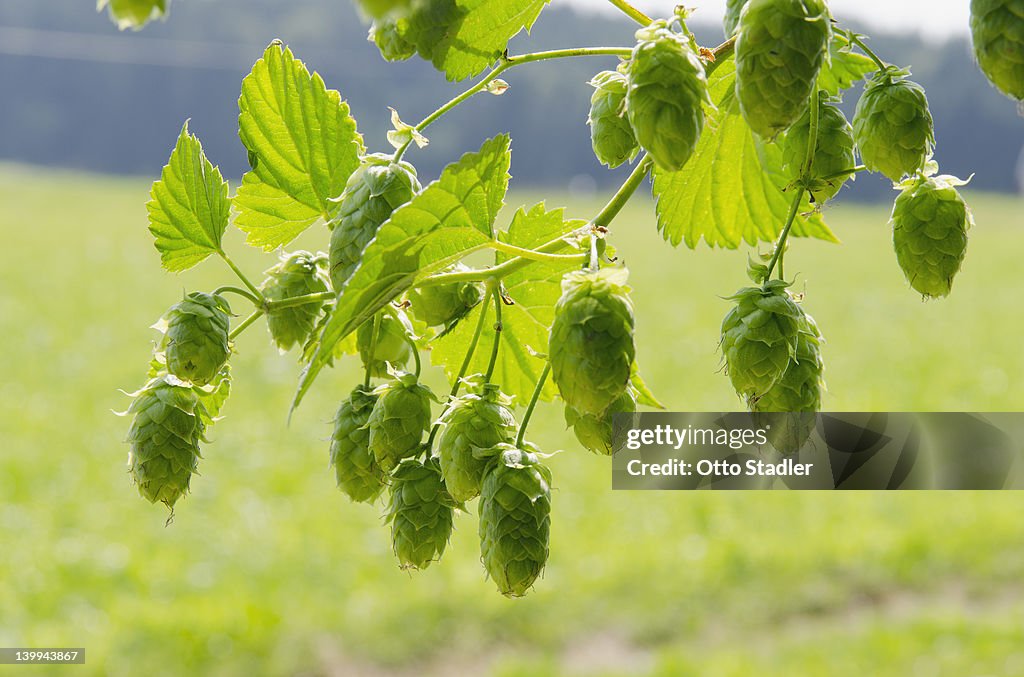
{"x":267,"y":569}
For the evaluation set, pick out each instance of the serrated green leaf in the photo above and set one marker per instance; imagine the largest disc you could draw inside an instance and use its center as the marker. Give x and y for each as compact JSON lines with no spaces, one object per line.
{"x":525,"y":325}
{"x":305,"y":146}
{"x":731,"y":190}
{"x":134,"y":14}
{"x":844,"y":68}
{"x":463,"y":37}
{"x":448,"y":219}
{"x":189,"y":206}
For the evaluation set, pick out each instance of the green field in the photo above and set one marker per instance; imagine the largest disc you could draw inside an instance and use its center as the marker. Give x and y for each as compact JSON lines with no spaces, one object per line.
{"x":267,"y":569}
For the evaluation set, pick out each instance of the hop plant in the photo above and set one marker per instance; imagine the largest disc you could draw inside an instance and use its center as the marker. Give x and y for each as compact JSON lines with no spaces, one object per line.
{"x":133,"y":14}
{"x":472,"y":424}
{"x":667,"y":92}
{"x":373,"y":191}
{"x":591,"y":341}
{"x":398,"y":420}
{"x":930,"y":222}
{"x":759,"y":337}
{"x":732,"y":16}
{"x":195,"y":342}
{"x":595,"y":432}
{"x":997,"y":31}
{"x":355,"y":467}
{"x":515,"y":519}
{"x":297,"y":274}
{"x":779,"y":50}
{"x":393,"y":346}
{"x":833,"y":151}
{"x":610,"y":132}
{"x":392,"y":44}
{"x":167,"y":427}
{"x":444,"y":304}
{"x":420,"y":512}
{"x":892,"y":124}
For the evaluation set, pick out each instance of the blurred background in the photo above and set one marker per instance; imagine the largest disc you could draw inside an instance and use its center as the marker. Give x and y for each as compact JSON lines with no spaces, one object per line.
{"x":267,"y":569}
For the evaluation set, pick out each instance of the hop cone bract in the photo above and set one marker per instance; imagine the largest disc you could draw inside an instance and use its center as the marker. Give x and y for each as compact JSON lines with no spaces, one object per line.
{"x":930,"y":222}
{"x":997,"y":30}
{"x":355,"y":467}
{"x":591,"y":342}
{"x":373,"y":191}
{"x":164,"y":439}
{"x":420,"y":512}
{"x":732,"y":16}
{"x":833,"y":152}
{"x":399,"y":419}
{"x":442,"y":304}
{"x":392,"y":346}
{"x":472,"y":424}
{"x":595,"y":432}
{"x":195,"y":341}
{"x":515,"y":519}
{"x":298,"y":274}
{"x":892,"y":124}
{"x":779,"y":50}
{"x":610,"y":132}
{"x":667,"y":92}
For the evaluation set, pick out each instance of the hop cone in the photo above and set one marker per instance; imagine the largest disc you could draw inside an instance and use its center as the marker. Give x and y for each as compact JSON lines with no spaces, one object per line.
{"x":595,"y":432}
{"x":667,"y":90}
{"x":373,"y":191}
{"x":472,"y":424}
{"x":164,"y":439}
{"x":420,"y":513}
{"x":997,"y":29}
{"x":610,"y":132}
{"x":392,"y":346}
{"x":195,"y":341}
{"x":443,"y":304}
{"x":355,"y":467}
{"x":779,"y":51}
{"x":833,"y":152}
{"x":392,"y":44}
{"x":515,"y":519}
{"x":732,"y":16}
{"x":298,"y":274}
{"x":591,"y":342}
{"x":930,"y":222}
{"x":892,"y":124}
{"x":398,"y":419}
{"x":134,"y":13}
{"x":759,"y":337}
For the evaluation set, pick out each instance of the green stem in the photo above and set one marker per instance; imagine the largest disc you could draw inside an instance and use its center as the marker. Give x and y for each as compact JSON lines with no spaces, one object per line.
{"x":632,"y":12}
{"x":241,"y":292}
{"x":785,"y":232}
{"x":497,"y":334}
{"x":812,"y":136}
{"x":374,"y":333}
{"x":241,"y":276}
{"x":845,"y":172}
{"x":416,"y":357}
{"x":855,"y":39}
{"x":318,"y":297}
{"x":534,"y":255}
{"x":533,"y":404}
{"x":625,"y":191}
{"x":246,"y":323}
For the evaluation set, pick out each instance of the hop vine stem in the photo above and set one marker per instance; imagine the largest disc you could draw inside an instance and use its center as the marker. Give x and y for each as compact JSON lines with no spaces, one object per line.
{"x":855,"y":39}
{"x":632,"y":12}
{"x":257,"y":314}
{"x":496,"y":291}
{"x":241,"y":276}
{"x":538,"y":389}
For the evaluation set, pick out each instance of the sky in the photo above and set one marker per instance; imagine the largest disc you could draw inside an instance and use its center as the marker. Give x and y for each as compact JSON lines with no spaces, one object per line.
{"x":932,"y":19}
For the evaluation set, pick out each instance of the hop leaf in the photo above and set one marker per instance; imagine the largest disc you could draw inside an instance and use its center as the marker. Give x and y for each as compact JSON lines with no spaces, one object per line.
{"x":298,"y":274}
{"x":515,"y":519}
{"x":420,"y":513}
{"x":997,"y":31}
{"x":667,"y":91}
{"x":392,"y":346}
{"x":373,"y":191}
{"x":393,"y":46}
{"x":892,"y":124}
{"x":610,"y":132}
{"x":398,"y":419}
{"x":473,"y":423}
{"x":930,"y":222}
{"x":591,"y":342}
{"x":444,"y":304}
{"x":195,"y":342}
{"x":595,"y":432}
{"x":355,"y":467}
{"x":833,"y":151}
{"x":779,"y":50}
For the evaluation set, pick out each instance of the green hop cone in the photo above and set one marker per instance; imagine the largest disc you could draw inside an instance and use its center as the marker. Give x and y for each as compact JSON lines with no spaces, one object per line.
{"x":473,"y":423}
{"x":732,"y":16}
{"x":610,"y":132}
{"x":373,"y":191}
{"x":164,"y":439}
{"x":355,"y":467}
{"x":759,"y":337}
{"x":298,"y":274}
{"x":930,"y":222}
{"x":779,"y":50}
{"x":892,"y":124}
{"x":398,"y":419}
{"x":515,"y":519}
{"x":387,"y":35}
{"x":833,"y":152}
{"x":392,"y":345}
{"x":134,"y":14}
{"x":591,"y":341}
{"x":667,"y":92}
{"x":595,"y":432}
{"x":997,"y":30}
{"x":195,"y":342}
{"x":420,"y":512}
{"x":443,"y":304}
